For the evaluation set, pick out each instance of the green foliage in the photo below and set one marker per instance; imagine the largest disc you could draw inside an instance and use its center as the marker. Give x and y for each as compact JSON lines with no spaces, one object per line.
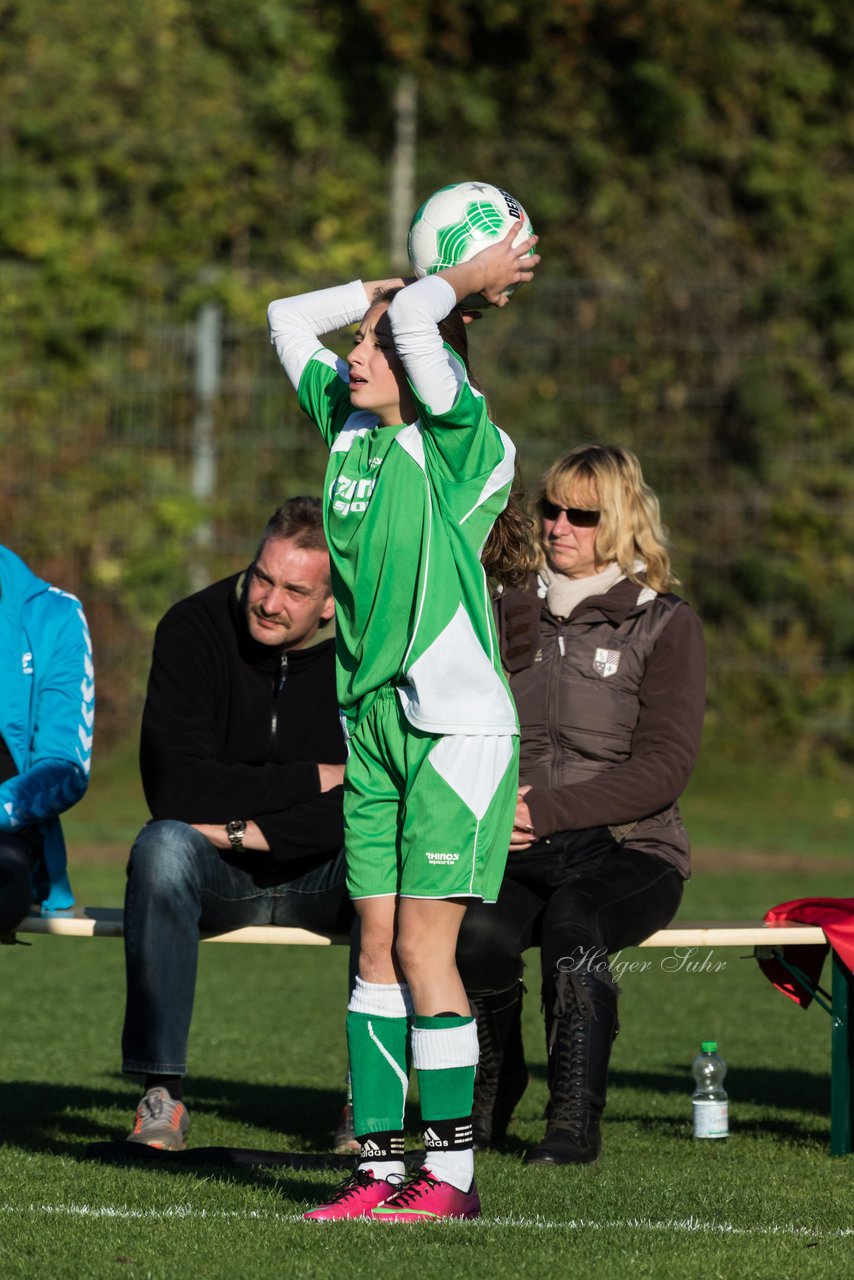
{"x":688,"y":164}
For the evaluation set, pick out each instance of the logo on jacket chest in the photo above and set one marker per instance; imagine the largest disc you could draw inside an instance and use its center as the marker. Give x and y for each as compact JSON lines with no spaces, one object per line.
{"x":26,"y":664}
{"x":606,"y":662}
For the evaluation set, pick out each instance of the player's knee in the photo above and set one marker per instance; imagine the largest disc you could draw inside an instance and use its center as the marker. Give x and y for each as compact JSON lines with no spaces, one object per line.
{"x":376,"y":954}
{"x":408,"y":957}
{"x":417,"y":954}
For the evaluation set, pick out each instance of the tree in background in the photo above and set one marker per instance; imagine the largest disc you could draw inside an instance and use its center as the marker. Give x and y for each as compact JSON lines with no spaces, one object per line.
{"x":688,"y":164}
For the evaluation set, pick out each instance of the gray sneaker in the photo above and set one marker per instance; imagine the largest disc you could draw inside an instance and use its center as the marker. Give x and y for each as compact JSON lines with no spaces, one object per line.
{"x":160,"y":1121}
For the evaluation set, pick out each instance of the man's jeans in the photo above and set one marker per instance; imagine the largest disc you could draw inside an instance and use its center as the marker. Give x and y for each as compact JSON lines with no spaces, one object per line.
{"x":178,"y":885}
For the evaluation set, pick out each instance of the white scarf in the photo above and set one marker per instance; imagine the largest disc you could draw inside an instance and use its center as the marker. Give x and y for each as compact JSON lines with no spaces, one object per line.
{"x":562,"y":594}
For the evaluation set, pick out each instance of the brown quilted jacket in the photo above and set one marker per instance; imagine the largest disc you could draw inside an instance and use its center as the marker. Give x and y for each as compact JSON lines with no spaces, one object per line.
{"x":610,"y":704}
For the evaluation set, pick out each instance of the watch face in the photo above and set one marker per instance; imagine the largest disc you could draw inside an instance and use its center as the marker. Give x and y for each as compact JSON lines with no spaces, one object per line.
{"x":235,"y":830}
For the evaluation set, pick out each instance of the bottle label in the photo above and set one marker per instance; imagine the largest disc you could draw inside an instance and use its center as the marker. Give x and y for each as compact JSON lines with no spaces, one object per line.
{"x":711,"y":1119}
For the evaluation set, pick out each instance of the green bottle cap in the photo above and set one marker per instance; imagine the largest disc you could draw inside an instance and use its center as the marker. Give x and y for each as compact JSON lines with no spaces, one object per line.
{"x":709,"y":1046}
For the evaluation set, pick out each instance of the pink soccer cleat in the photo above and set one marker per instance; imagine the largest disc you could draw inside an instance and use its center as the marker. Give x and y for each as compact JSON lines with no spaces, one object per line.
{"x":426,"y":1199}
{"x":355,"y":1198}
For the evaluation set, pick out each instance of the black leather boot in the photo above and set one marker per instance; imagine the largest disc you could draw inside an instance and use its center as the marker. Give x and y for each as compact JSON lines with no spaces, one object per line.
{"x":502,"y":1076}
{"x":581,"y":1021}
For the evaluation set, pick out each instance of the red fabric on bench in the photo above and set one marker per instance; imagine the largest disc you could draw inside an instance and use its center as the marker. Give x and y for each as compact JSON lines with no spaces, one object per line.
{"x":836,"y":917}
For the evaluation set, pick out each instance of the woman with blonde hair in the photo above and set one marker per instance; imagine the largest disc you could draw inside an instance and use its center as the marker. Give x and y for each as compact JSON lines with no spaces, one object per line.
{"x":607,"y":668}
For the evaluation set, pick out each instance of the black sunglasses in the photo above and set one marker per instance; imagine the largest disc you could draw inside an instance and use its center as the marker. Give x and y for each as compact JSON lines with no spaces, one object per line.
{"x":579,"y":516}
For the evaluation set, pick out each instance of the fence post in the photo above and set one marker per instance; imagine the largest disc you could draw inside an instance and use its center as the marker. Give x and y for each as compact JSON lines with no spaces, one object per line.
{"x":402,"y":178}
{"x":206,"y":367}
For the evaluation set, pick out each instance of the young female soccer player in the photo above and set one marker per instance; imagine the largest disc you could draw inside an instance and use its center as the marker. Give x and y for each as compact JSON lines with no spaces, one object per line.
{"x":417,"y":476}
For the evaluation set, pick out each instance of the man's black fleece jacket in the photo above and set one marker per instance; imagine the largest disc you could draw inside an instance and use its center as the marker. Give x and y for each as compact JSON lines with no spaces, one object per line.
{"x":235,"y":729}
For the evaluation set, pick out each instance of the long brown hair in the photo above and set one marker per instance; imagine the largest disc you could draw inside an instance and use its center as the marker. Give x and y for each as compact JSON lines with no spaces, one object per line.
{"x":509,"y":553}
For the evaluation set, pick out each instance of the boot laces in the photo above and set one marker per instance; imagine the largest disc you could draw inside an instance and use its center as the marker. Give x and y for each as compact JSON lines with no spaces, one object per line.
{"x":569,"y":987}
{"x":152,"y":1106}
{"x":418,"y":1186}
{"x":357,"y":1181}
{"x":568,"y":1105}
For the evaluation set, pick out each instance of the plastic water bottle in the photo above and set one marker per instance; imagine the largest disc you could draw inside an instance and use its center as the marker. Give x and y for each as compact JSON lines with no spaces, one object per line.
{"x":709,"y":1105}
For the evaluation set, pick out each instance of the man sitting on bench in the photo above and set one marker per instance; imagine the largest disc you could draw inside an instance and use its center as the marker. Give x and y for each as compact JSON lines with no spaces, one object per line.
{"x":242,"y":760}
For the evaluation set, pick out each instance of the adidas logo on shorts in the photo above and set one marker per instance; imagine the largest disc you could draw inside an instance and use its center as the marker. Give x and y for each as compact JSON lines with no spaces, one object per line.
{"x":441,"y":859}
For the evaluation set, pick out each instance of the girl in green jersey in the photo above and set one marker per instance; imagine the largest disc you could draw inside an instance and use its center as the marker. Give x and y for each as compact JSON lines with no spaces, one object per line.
{"x":418,"y":476}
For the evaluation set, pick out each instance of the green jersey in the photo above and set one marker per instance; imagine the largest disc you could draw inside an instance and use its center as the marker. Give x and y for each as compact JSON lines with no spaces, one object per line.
{"x":408,"y":509}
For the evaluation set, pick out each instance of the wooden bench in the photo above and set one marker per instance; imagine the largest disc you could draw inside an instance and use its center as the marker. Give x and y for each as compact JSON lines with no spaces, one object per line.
{"x":107,"y":922}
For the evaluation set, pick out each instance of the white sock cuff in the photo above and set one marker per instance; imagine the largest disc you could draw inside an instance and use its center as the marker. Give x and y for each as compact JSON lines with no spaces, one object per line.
{"x":436,"y":1050}
{"x":456,"y":1167}
{"x":382,"y":999}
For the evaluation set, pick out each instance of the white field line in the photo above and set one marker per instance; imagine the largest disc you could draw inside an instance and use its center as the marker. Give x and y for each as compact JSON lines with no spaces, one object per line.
{"x":690,"y":1225}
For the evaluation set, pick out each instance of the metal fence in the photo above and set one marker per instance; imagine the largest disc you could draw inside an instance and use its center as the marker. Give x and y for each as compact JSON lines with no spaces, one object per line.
{"x":150,"y":470}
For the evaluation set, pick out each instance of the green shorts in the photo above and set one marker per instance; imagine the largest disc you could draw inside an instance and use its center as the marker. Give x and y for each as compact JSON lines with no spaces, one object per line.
{"x":426,"y":815}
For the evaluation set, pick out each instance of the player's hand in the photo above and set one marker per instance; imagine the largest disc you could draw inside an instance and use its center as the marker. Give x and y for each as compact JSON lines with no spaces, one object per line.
{"x":505,"y":266}
{"x":498,"y":267}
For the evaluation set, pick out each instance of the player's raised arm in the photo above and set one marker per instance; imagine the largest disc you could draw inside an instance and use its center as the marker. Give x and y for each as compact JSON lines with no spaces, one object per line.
{"x":298,"y":322}
{"x":378,"y":288}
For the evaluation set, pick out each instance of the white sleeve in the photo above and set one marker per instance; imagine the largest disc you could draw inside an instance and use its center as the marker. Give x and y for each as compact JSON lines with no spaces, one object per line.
{"x":414,"y":315}
{"x":297,"y":323}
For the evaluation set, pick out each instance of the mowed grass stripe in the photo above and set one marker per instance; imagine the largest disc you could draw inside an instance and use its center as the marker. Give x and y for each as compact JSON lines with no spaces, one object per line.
{"x":678,"y":1225}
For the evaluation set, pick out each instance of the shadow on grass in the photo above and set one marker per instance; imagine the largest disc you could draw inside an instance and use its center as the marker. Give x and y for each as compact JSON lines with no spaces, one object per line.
{"x":763,"y":1086}
{"x":793,"y":1090}
{"x":47,"y":1118}
{"x":33,"y":1111}
{"x":778,"y":1129}
{"x":804,"y":1092}
{"x":65,"y":1119}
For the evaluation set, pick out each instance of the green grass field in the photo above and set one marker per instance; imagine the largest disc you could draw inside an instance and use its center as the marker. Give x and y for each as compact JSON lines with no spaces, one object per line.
{"x":267,"y":1060}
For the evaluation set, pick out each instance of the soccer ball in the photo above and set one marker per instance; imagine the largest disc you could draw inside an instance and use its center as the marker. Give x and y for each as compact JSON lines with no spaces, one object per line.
{"x":460,"y":220}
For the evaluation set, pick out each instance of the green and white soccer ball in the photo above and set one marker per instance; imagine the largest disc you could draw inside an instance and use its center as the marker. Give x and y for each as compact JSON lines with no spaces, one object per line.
{"x":460,"y":220}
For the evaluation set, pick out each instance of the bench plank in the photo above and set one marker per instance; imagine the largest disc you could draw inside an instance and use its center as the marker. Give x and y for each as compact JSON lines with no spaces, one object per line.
{"x":107,"y":922}
{"x":736,"y":935}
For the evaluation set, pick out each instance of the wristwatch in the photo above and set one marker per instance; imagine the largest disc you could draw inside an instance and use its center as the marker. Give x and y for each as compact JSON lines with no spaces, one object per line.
{"x":236,"y":830}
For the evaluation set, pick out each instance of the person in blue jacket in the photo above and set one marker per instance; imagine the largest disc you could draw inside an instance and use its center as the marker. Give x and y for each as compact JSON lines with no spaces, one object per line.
{"x":47,"y":711}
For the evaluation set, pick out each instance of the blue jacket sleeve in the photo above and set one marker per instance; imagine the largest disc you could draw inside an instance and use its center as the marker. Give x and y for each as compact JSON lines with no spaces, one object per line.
{"x":55,"y":772}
